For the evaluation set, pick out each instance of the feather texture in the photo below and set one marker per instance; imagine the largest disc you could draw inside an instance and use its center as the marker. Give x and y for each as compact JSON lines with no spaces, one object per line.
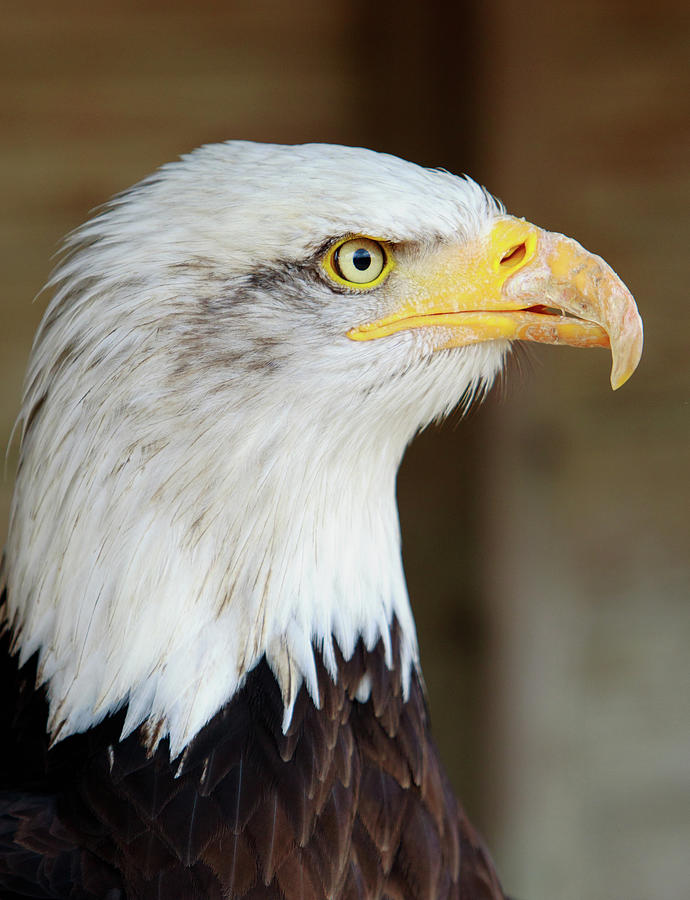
{"x":208,"y":462}
{"x":351,"y":804}
{"x":203,"y":565}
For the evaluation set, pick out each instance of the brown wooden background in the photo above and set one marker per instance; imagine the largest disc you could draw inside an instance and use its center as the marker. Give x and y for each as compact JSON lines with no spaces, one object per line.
{"x":546,"y":538}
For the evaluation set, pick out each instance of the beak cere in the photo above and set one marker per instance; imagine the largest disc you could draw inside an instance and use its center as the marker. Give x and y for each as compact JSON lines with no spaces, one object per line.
{"x":518,"y":282}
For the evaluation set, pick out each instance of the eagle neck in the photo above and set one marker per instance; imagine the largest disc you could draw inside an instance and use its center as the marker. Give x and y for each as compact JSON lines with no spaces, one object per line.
{"x":201,"y":558}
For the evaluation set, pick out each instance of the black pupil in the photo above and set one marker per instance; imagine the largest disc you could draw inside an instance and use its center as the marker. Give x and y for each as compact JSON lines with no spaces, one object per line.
{"x":361,"y":259}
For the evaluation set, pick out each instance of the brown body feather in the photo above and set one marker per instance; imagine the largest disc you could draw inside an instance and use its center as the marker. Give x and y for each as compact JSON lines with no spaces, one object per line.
{"x":351,"y":804}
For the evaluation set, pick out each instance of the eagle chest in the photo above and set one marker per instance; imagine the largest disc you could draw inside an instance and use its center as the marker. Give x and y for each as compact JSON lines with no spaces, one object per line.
{"x":351,"y":802}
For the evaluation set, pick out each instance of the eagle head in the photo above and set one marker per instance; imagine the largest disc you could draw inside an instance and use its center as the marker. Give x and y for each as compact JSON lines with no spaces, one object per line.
{"x":237,"y":352}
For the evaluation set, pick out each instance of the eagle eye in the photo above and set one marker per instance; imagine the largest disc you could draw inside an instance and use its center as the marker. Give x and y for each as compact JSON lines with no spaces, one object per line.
{"x":358,"y":262}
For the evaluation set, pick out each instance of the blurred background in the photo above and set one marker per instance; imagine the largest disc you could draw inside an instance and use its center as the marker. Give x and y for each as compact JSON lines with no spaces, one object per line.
{"x":546,"y":536}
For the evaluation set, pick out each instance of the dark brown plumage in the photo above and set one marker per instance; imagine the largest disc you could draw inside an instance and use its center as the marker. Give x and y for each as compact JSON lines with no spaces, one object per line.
{"x":351,"y":803}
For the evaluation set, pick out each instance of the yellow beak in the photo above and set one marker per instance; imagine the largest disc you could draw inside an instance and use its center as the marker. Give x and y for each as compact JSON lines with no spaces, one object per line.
{"x":518,"y":282}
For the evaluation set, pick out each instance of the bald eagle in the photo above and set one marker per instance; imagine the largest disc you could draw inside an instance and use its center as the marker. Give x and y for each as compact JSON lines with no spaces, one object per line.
{"x":213,"y":682}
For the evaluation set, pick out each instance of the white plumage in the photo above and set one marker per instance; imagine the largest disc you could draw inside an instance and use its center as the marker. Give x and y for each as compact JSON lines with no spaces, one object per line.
{"x":205,"y":434}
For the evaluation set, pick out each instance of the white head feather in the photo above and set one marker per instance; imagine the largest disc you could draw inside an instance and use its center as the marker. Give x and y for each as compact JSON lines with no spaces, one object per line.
{"x":208,"y":463}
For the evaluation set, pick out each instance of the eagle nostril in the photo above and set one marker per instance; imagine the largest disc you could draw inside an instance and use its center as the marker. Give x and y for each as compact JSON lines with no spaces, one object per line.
{"x":514,"y":256}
